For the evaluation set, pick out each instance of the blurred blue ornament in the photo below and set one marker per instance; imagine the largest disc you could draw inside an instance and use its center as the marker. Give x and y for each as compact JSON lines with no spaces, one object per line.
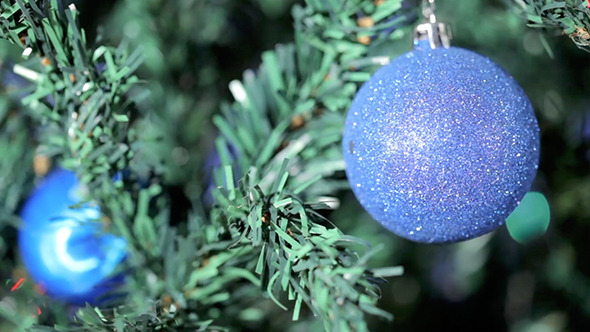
{"x":441,"y":145}
{"x":15,"y":85}
{"x":62,"y":244}
{"x":530,"y":219}
{"x":212,"y":164}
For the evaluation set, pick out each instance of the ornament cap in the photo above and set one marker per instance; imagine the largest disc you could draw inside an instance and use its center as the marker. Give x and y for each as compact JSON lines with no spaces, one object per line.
{"x":438,"y":34}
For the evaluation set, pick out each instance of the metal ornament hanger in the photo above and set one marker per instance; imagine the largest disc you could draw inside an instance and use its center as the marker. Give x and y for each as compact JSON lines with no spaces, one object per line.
{"x":437,"y":33}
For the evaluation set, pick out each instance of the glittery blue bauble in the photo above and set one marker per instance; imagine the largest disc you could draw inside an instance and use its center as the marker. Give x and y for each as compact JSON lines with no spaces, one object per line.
{"x":63,"y":247}
{"x":441,"y":145}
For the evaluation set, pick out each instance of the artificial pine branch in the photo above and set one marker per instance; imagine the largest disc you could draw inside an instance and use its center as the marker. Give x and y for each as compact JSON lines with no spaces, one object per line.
{"x":16,"y":149}
{"x":570,"y":17}
{"x":261,"y":233}
{"x":82,"y":105}
{"x":302,"y":255}
{"x":15,"y":140}
{"x":81,"y":91}
{"x":293,"y":108}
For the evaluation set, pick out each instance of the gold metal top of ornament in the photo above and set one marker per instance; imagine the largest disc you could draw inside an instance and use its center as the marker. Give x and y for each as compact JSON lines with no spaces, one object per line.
{"x":438,"y":34}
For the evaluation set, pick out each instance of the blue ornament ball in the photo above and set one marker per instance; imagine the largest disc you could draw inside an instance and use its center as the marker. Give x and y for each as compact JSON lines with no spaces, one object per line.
{"x":441,"y":145}
{"x":62,"y":244}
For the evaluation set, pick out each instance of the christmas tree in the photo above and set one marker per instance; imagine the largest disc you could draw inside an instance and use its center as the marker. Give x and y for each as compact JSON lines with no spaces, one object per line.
{"x":178,"y":166}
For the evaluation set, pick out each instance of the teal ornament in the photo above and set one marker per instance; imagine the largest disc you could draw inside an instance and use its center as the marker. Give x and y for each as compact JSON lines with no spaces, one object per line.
{"x":530,"y":219}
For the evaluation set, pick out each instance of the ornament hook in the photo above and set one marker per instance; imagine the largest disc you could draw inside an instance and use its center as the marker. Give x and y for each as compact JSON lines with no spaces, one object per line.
{"x":437,"y":33}
{"x":428,"y":10}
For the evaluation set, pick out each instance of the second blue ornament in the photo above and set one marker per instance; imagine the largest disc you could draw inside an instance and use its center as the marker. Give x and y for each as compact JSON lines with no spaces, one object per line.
{"x":441,"y":144}
{"x":63,"y":246}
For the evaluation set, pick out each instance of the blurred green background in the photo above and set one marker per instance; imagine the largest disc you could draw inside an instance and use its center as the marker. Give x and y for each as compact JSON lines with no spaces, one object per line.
{"x":492,"y":283}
